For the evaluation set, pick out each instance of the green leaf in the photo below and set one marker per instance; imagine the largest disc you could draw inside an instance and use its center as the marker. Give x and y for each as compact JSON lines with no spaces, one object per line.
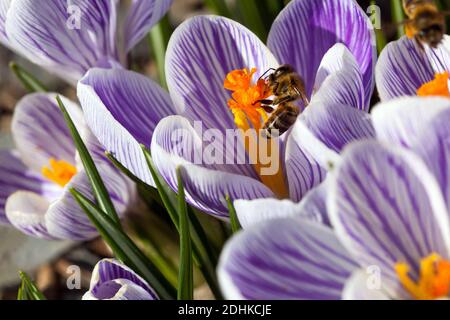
{"x":185,"y":278}
{"x":100,"y":191}
{"x":398,"y":16}
{"x":124,"y":248}
{"x":219,"y":7}
{"x":27,"y":79}
{"x":379,"y":34}
{"x":158,"y":39}
{"x":255,"y":17}
{"x":235,"y":225}
{"x":28,"y":290}
{"x":202,"y":251}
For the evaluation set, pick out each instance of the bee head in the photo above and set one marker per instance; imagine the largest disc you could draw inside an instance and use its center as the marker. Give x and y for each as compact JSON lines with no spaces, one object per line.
{"x":431,"y":26}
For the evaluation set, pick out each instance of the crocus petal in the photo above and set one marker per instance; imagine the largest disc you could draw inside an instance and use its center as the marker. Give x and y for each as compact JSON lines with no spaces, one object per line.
{"x":201,"y":52}
{"x":112,"y":280}
{"x":305,"y":30}
{"x":40,"y":132}
{"x":176,"y":144}
{"x":339,"y":79}
{"x":251,"y":212}
{"x":433,"y":146}
{"x":4,"y":7}
{"x":336,"y":125}
{"x":314,"y":203}
{"x":15,"y":176}
{"x":26,"y":211}
{"x":387,"y":208}
{"x":302,"y":170}
{"x":66,"y":220}
{"x":404,"y":66}
{"x":122,"y":108}
{"x":403,"y":120}
{"x":142,"y":17}
{"x":361,"y":286}
{"x":284,"y":259}
{"x":46,"y":32}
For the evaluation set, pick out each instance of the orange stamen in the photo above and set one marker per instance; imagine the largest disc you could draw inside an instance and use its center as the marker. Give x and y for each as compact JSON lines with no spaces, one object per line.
{"x":59,"y":171}
{"x":436,"y":87}
{"x":434,"y":279}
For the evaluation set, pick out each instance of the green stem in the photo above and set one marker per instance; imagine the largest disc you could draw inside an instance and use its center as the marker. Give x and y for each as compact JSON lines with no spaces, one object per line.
{"x":254,"y":17}
{"x":235,"y":225}
{"x":398,"y":16}
{"x":27,"y":79}
{"x":219,"y":7}
{"x":158,"y":40}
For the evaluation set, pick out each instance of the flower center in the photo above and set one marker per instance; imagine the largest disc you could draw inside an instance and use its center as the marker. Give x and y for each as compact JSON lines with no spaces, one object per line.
{"x":248,"y":114}
{"x":59,"y":171}
{"x":434,"y":278}
{"x":436,"y":87}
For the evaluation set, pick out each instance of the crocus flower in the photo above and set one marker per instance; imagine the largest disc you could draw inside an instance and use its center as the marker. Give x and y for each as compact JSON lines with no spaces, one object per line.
{"x":407,"y":68}
{"x":70,"y":37}
{"x":387,"y":200}
{"x":211,"y":59}
{"x":35,"y":178}
{"x":112,"y":280}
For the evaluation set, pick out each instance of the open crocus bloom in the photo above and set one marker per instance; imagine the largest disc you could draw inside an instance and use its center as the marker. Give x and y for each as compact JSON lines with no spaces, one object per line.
{"x":406,"y":68}
{"x":207,"y":58}
{"x":112,"y":280}
{"x":70,"y":37}
{"x":388,"y":204}
{"x":36,"y":177}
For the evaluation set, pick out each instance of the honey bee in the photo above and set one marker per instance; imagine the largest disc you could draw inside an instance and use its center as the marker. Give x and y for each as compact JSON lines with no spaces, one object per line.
{"x":425,"y":22}
{"x":287,"y":86}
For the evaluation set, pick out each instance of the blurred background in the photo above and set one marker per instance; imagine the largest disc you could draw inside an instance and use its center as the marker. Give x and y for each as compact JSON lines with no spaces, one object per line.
{"x":47,"y":262}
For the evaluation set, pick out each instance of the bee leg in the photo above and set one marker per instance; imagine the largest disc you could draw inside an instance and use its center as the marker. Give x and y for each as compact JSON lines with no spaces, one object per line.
{"x":281,"y":100}
{"x":268,"y":109}
{"x":264,"y":101}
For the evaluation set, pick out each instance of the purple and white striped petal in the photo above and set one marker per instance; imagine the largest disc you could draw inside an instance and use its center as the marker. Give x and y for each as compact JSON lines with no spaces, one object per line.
{"x":337,"y":125}
{"x":15,"y":176}
{"x":122,"y":108}
{"x":4,"y":7}
{"x":66,"y":220}
{"x":112,"y":280}
{"x":314,"y":203}
{"x":26,"y":211}
{"x":201,"y":52}
{"x":284,"y":259}
{"x":339,"y":80}
{"x":404,"y":67}
{"x":364,"y":285}
{"x":176,"y":144}
{"x":302,"y":171}
{"x":66,"y":37}
{"x":402,"y":121}
{"x":143,"y":15}
{"x":306,"y":29}
{"x":40,"y":132}
{"x":386,"y":208}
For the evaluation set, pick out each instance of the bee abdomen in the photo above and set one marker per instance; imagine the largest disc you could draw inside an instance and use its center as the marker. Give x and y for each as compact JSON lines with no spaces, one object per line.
{"x":281,"y":120}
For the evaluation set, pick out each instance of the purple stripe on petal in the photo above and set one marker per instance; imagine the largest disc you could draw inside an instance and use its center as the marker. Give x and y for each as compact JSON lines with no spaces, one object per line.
{"x":46,"y":32}
{"x":284,"y":259}
{"x":112,"y":280}
{"x":122,"y":108}
{"x":404,"y":67}
{"x":201,"y":52}
{"x":306,"y":29}
{"x":387,"y":208}
{"x":4,"y":7}
{"x":143,"y":15}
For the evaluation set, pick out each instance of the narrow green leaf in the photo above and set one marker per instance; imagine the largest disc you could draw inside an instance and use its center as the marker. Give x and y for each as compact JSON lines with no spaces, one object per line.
{"x":219,"y":7}
{"x":398,"y":16}
{"x":124,"y":248}
{"x":254,"y":17}
{"x":235,"y":225}
{"x":28,"y":290}
{"x":100,"y":191}
{"x":185,"y":278}
{"x":202,"y":251}
{"x":379,"y":34}
{"x":27,"y":79}
{"x":158,"y":39}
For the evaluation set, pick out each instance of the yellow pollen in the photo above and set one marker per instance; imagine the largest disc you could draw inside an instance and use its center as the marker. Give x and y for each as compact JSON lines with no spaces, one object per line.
{"x":248,"y":114}
{"x":59,"y":171}
{"x":434,"y":278}
{"x":436,"y":87}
